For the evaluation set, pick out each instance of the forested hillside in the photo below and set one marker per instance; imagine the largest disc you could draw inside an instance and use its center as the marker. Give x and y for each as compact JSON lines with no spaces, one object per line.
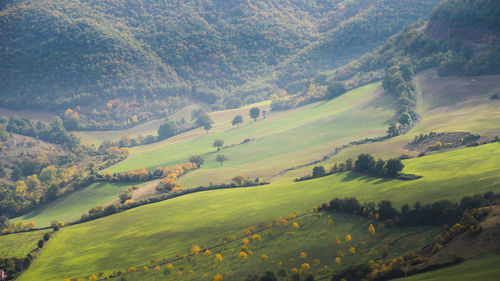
{"x":63,"y":54}
{"x":474,"y":21}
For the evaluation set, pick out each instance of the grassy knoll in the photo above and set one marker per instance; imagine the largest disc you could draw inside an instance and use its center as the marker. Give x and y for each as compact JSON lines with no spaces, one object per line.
{"x":72,"y":206}
{"x":282,"y":247}
{"x":282,"y":140}
{"x":173,"y":226}
{"x":19,"y":244}
{"x":446,"y":104}
{"x":484,"y":268}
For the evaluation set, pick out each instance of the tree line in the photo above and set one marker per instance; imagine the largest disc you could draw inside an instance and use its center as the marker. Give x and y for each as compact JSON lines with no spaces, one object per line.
{"x":438,"y":213}
{"x":365,"y":164}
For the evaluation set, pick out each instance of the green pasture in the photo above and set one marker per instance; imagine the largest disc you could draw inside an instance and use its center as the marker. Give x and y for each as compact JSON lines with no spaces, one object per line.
{"x":446,"y":104}
{"x":173,"y":226}
{"x":20,"y":244}
{"x":72,"y":206}
{"x":280,"y":141}
{"x":484,"y":268}
{"x":282,"y":247}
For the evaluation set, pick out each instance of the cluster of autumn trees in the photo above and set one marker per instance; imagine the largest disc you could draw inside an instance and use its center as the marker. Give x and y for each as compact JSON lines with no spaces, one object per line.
{"x":35,"y":181}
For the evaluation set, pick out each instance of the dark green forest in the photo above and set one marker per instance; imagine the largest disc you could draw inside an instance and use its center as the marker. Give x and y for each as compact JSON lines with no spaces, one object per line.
{"x":155,"y":56}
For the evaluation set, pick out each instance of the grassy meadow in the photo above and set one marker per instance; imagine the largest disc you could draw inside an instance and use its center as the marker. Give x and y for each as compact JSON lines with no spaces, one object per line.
{"x":20,"y":244}
{"x":282,"y":140}
{"x":281,"y":248}
{"x":72,"y":206}
{"x":446,"y":104}
{"x":484,"y":268}
{"x":164,"y":229}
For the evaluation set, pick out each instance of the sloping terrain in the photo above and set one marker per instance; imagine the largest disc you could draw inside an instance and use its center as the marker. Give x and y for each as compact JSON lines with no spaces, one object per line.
{"x":280,"y":141}
{"x":445,"y":104}
{"x":174,"y":226}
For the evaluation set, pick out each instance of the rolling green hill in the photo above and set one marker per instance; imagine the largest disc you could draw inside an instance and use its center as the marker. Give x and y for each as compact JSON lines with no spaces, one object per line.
{"x":281,"y":140}
{"x":482,"y":268}
{"x":19,"y":244}
{"x":166,"y":228}
{"x":71,"y":207}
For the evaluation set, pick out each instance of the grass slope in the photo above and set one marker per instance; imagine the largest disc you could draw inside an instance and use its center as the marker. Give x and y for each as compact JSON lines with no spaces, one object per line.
{"x":446,"y":104}
{"x":173,"y":226}
{"x":19,"y":244}
{"x":282,"y":140}
{"x":72,"y":206}
{"x":282,"y":248}
{"x":484,"y":268}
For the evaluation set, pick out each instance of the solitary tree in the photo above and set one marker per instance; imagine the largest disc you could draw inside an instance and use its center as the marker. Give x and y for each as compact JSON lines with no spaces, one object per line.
{"x":255,"y":113}
{"x":218,"y":144}
{"x":238,"y":119}
{"x":197,"y":159}
{"x":204,"y":121}
{"x":221,"y":158}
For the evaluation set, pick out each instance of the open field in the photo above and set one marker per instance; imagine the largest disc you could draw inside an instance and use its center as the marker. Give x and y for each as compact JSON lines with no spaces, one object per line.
{"x":20,"y":244}
{"x":314,"y":237}
{"x":72,"y":206}
{"x":484,"y":268}
{"x":281,"y":140}
{"x":173,"y":226}
{"x":446,"y":104}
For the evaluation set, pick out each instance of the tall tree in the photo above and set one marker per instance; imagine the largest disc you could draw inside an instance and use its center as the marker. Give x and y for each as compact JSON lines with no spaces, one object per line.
{"x":218,"y":144}
{"x":204,"y":121}
{"x":254,"y":113}
{"x":221,"y":158}
{"x":238,"y":119}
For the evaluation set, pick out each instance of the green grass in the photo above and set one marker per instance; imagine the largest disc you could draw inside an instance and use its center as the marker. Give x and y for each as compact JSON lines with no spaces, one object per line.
{"x":446,"y":104}
{"x":72,"y":206}
{"x":282,"y":140}
{"x":484,"y":268}
{"x":314,"y":237}
{"x":20,"y":244}
{"x":173,"y":226}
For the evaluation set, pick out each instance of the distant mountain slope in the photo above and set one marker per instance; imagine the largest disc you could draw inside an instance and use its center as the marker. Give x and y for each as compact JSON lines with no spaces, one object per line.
{"x":60,"y":54}
{"x":475,"y":21}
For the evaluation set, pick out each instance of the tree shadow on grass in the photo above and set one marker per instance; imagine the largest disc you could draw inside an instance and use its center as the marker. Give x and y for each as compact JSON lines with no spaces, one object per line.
{"x":352,"y":176}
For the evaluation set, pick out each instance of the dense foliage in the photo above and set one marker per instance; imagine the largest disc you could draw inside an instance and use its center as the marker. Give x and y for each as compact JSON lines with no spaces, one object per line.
{"x":117,"y":63}
{"x":464,"y":13}
{"x":437,"y":213}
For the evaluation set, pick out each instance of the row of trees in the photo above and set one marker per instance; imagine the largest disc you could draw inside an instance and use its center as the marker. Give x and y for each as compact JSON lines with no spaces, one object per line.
{"x":437,"y":213}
